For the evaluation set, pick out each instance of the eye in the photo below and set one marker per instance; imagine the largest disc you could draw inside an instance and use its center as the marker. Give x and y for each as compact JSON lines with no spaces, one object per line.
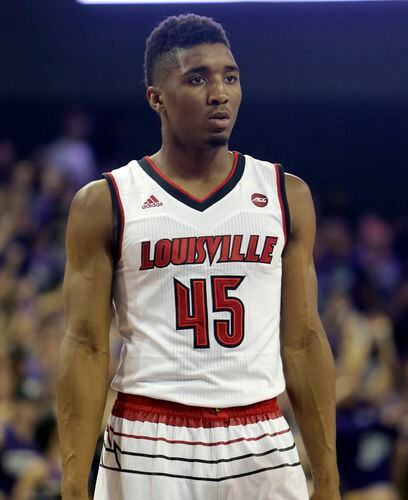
{"x":197,"y":80}
{"x":231,"y":78}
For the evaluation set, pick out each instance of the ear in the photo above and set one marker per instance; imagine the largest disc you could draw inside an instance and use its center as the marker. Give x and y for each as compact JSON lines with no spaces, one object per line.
{"x":155,"y":97}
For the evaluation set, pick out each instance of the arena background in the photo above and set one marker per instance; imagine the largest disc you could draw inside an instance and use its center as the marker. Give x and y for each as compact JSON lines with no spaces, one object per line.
{"x":325,"y":89}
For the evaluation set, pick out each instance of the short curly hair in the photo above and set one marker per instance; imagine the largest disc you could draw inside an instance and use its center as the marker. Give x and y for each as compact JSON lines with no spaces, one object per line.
{"x":178,"y":32}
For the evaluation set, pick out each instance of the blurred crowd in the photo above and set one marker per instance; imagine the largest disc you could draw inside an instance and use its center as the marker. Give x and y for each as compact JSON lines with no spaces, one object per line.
{"x":362,"y":265}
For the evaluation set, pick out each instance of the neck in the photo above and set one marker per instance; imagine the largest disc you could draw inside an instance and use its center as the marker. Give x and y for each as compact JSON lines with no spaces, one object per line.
{"x":182,"y":162}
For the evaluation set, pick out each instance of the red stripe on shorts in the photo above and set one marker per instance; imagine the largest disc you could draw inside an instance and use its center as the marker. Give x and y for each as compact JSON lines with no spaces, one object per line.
{"x":199,"y":443}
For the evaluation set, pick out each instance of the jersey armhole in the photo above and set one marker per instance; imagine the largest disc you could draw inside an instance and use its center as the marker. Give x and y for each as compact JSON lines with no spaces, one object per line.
{"x":120,"y":217}
{"x":280,"y":177}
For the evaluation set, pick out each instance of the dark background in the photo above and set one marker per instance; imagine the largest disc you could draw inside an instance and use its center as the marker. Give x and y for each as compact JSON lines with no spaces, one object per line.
{"x":325,"y":85}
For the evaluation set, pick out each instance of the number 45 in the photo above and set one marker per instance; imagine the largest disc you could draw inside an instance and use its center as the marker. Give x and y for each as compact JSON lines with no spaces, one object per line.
{"x":228,"y":333}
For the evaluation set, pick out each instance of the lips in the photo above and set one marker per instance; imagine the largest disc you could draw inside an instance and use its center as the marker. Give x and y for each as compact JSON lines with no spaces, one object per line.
{"x":219,"y":115}
{"x":220,"y":119}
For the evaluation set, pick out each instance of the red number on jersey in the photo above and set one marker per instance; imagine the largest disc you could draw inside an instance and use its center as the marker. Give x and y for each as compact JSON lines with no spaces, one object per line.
{"x":228,"y":333}
{"x":198,"y":318}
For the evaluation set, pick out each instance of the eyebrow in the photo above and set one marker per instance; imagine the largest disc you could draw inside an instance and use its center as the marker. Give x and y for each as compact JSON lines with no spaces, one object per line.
{"x":199,"y":69}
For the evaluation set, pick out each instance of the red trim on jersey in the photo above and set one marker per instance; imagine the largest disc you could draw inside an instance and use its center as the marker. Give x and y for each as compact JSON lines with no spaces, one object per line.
{"x":278,"y":183}
{"x":199,"y":443}
{"x":143,"y":409}
{"x":122,"y":215}
{"x":179,"y":188}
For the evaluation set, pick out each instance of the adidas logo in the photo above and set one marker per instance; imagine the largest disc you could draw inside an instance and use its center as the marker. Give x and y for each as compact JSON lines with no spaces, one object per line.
{"x":151,"y":202}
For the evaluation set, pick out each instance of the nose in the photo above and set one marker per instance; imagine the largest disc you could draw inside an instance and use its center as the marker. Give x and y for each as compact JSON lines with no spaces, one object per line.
{"x":217,"y":93}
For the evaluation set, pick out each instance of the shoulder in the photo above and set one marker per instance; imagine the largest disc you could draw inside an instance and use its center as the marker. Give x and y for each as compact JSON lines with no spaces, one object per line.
{"x":300,"y":203}
{"x":296,"y":188}
{"x":92,"y":197}
{"x":91,"y":210}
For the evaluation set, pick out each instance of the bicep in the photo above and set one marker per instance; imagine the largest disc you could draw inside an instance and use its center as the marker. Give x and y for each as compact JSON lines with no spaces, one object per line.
{"x":299,"y":283}
{"x":89,"y":269}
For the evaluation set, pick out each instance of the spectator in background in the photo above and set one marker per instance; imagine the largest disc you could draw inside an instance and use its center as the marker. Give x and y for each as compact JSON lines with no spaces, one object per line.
{"x":71,"y":154}
{"x":7,"y":159}
{"x":375,"y":255}
{"x":334,"y":256}
{"x":18,"y":449}
{"x":41,"y":478}
{"x":399,"y":416}
{"x":33,"y":202}
{"x":365,"y":361}
{"x":363,"y":343}
{"x":399,"y":413}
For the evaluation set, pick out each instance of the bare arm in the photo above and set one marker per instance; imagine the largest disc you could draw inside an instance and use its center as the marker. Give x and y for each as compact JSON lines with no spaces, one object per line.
{"x":308,"y":362}
{"x":82,"y":377}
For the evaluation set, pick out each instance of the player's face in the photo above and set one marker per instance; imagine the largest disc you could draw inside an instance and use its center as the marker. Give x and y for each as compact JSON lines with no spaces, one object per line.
{"x":201,"y":96}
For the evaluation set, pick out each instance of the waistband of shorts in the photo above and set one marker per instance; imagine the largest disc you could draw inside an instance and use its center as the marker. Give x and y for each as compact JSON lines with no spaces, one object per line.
{"x":127,"y":404}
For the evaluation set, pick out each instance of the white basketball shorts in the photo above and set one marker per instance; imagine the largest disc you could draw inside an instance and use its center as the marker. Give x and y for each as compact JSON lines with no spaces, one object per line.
{"x":156,"y":449}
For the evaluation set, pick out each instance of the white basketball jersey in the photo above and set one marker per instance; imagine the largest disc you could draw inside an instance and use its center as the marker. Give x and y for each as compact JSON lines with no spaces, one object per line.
{"x":197,"y":285}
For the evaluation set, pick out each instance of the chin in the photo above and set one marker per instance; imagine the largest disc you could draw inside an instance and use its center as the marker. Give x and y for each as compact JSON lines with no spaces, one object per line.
{"x":217,"y":141}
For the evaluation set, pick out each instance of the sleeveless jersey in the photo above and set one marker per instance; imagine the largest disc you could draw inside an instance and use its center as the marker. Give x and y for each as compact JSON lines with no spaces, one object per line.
{"x":197,"y":284}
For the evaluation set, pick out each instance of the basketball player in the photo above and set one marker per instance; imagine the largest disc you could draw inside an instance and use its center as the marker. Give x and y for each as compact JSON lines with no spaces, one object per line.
{"x":193,"y":249}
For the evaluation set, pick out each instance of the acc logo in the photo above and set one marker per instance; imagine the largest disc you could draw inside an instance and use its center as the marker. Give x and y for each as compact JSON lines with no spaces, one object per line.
{"x":260,"y":200}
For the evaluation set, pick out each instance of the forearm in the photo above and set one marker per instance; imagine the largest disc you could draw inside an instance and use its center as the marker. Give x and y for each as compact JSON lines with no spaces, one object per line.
{"x":310,"y":378}
{"x":82,"y":382}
